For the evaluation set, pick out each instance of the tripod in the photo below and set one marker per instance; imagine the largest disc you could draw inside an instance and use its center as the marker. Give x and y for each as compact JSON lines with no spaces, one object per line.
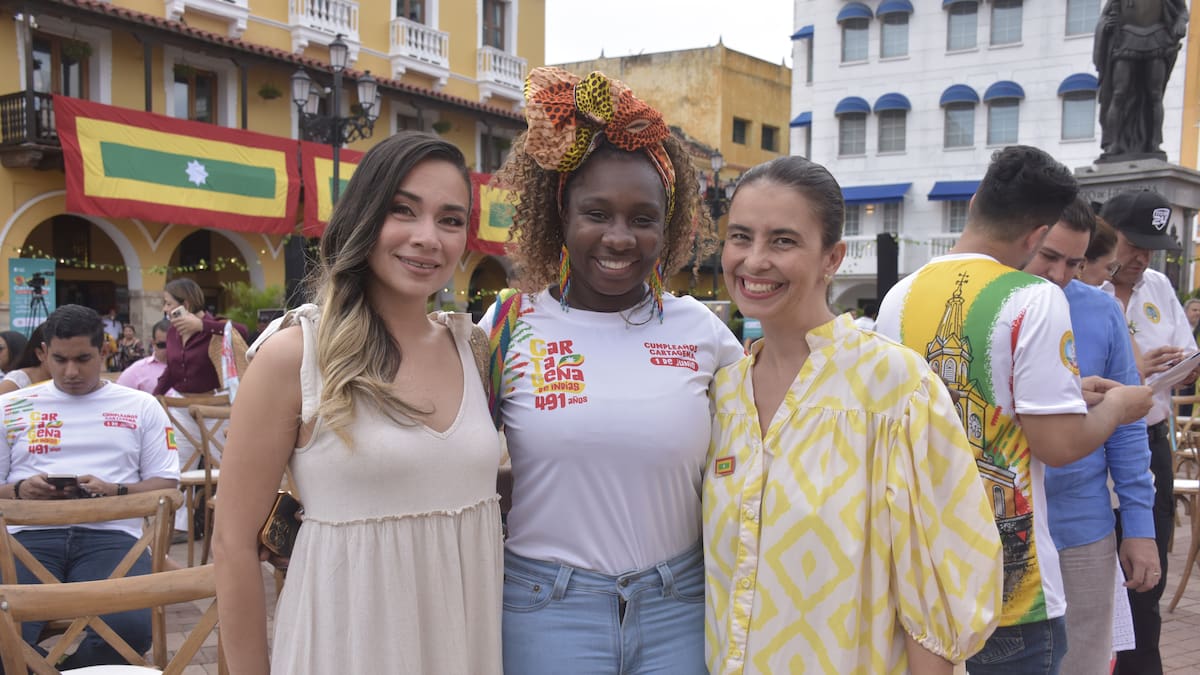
{"x":37,"y":310}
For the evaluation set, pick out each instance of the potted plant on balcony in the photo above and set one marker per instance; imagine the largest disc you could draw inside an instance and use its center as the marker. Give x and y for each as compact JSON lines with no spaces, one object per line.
{"x":269,"y":91}
{"x":184,"y":71}
{"x":74,"y":51}
{"x":441,"y":126}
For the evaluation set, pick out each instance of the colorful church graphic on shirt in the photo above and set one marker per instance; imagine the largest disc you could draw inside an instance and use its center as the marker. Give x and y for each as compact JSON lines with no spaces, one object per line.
{"x":957,"y":344}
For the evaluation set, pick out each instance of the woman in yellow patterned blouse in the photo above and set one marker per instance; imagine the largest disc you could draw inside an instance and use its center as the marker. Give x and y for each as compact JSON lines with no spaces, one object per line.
{"x":846,"y":528}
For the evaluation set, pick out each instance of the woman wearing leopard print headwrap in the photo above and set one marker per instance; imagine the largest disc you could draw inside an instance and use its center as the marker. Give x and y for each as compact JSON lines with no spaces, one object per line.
{"x":601,"y":380}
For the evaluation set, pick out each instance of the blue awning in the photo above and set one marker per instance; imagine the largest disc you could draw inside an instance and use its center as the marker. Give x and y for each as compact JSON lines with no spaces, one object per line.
{"x":854,"y":10}
{"x":852,"y":104}
{"x":953,"y":190}
{"x":894,"y":7}
{"x":875,"y":194}
{"x":947,"y":3}
{"x":804,"y":119}
{"x":1078,"y":82}
{"x":805,"y":32}
{"x":1004,"y":89}
{"x":958,"y":93}
{"x":892,"y":101}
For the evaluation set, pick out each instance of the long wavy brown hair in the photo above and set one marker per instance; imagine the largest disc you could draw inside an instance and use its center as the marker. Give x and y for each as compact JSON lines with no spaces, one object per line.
{"x":536,"y":235}
{"x":357,"y":355}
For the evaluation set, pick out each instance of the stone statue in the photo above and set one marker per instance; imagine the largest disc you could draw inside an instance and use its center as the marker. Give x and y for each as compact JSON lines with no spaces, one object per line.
{"x":1137,"y":42}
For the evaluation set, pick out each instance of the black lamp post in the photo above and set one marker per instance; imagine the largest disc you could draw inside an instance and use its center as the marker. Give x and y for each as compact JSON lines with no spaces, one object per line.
{"x":717,"y":197}
{"x":330,"y":128}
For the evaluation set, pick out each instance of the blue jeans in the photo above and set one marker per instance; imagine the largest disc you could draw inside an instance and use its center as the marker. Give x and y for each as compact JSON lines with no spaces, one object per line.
{"x":1026,"y":649}
{"x":82,"y":554}
{"x":559,"y":619}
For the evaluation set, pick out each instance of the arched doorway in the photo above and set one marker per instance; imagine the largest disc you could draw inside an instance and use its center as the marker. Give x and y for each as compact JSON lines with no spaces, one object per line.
{"x":89,"y":268}
{"x":488,"y":279}
{"x":211,"y":260}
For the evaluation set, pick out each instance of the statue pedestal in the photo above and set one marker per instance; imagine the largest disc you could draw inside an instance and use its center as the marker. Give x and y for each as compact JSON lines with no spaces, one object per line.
{"x":1180,"y":185}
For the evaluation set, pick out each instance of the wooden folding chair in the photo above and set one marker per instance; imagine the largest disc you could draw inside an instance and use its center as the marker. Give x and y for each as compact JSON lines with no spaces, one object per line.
{"x":210,"y":420}
{"x":84,"y":601}
{"x":1186,"y":460}
{"x":157,"y":506}
{"x":193,"y":482}
{"x":1188,"y":489}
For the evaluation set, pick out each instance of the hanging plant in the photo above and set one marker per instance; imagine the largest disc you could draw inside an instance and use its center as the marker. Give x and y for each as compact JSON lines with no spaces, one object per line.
{"x":269,"y":91}
{"x":441,"y":126}
{"x":184,"y":71}
{"x":76,"y":52}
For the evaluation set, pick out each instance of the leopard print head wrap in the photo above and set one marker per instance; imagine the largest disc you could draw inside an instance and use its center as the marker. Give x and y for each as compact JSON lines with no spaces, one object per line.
{"x":566,"y":116}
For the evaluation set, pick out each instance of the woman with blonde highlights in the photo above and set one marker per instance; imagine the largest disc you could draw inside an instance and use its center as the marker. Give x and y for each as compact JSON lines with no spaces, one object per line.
{"x":604,"y":389}
{"x":381,"y":415}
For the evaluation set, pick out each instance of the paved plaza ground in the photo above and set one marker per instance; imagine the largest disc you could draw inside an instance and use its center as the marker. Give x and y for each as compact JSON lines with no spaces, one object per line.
{"x":1180,"y":635}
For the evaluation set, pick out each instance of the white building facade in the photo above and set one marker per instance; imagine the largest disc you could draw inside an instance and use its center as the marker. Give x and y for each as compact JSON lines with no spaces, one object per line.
{"x":906,"y":104}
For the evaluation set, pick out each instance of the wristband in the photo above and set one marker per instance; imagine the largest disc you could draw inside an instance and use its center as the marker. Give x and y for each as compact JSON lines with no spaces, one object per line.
{"x":122,"y":490}
{"x":17,"y":488}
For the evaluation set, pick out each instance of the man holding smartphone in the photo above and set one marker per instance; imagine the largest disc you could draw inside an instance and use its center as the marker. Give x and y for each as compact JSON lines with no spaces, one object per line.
{"x":80,"y":436}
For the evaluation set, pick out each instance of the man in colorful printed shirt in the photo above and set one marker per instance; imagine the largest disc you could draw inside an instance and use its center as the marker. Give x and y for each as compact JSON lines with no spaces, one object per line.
{"x":1081,"y":516}
{"x":1002,"y":342}
{"x":114,"y":439}
{"x":1163,"y":335}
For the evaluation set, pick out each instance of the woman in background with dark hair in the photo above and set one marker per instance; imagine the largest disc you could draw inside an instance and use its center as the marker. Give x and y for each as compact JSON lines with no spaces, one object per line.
{"x":27,"y":368}
{"x":12,"y":344}
{"x":379,"y":410}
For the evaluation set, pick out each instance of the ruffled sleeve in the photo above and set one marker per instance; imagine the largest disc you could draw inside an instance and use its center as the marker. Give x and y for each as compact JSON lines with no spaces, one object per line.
{"x":946,"y":552}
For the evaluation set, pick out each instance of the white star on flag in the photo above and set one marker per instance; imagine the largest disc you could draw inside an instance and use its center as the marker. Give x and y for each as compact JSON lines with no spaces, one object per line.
{"x":197,"y":173}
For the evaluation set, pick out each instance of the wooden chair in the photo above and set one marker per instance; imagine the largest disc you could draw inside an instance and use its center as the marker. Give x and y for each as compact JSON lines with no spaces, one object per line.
{"x":157,"y":506}
{"x":1186,"y":460}
{"x":210,"y":420}
{"x":1189,"y":489}
{"x":84,"y":601}
{"x":194,"y":482}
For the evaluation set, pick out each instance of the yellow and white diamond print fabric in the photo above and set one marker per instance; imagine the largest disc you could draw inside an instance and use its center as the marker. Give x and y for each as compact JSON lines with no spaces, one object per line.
{"x":857,"y":516}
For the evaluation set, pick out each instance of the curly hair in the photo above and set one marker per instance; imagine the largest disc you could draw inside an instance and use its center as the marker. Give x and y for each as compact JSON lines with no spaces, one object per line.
{"x":536,"y":235}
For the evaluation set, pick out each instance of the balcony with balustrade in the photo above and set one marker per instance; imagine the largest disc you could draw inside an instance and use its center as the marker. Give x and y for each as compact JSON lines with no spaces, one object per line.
{"x":28,"y":136}
{"x":419,"y":48}
{"x":233,"y":12}
{"x":320,"y":21}
{"x":501,"y":74}
{"x":860,"y":256}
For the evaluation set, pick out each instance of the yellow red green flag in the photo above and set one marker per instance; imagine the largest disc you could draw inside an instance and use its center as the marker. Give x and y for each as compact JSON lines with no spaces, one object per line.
{"x":128,"y":163}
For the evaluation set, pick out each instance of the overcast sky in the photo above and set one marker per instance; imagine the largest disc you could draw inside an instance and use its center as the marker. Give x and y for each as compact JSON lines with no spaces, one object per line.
{"x":576,"y":30}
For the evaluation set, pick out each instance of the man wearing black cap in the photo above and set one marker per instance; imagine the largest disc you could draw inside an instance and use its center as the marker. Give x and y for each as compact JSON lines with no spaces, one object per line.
{"x":1161,"y":331}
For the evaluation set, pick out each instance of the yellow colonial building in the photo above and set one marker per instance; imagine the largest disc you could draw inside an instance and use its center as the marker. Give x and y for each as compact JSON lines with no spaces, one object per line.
{"x":452,"y":67}
{"x":1189,"y":150}
{"x":716,"y":100}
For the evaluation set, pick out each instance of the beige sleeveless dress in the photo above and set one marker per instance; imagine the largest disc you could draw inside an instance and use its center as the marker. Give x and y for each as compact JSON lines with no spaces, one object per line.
{"x":398,"y":567}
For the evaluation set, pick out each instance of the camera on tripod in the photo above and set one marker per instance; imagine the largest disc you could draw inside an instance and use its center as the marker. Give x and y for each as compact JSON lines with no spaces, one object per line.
{"x":37,"y":283}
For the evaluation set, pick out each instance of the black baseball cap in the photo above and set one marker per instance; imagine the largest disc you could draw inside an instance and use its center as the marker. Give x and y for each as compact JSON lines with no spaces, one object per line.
{"x":1142,"y":216}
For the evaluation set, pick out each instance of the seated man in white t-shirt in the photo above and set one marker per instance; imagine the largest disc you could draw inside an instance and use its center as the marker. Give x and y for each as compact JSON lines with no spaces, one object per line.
{"x":116,"y":440}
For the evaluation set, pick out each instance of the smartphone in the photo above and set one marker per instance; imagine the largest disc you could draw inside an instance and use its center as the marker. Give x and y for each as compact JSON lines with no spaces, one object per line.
{"x":177,"y":312}
{"x":62,"y":481}
{"x":278,"y":534}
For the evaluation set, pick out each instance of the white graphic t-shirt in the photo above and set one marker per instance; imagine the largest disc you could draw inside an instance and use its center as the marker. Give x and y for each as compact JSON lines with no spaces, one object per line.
{"x":608,"y":424}
{"x":117,"y":434}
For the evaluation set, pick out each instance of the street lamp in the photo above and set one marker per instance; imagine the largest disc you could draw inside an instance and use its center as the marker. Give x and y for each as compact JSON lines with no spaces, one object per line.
{"x":331,"y":128}
{"x":717,"y":197}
